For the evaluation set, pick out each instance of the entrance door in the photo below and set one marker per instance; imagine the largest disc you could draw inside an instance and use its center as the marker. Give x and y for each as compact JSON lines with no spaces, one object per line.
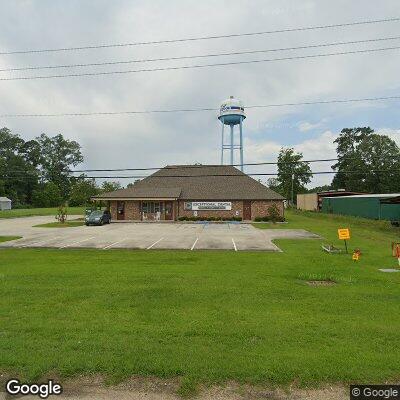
{"x":121,"y":210}
{"x":247,"y":210}
{"x":169,"y":211}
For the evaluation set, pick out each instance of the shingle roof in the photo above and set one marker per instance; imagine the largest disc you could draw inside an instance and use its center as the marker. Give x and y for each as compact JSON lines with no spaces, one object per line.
{"x":198,"y":182}
{"x":142,"y":193}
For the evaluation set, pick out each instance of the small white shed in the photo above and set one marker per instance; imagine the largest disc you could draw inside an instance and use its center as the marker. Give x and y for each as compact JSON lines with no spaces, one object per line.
{"x":5,"y":203}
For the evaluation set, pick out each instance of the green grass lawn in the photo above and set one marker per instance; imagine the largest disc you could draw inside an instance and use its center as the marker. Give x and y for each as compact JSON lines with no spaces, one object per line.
{"x":33,"y":212}
{"x":8,"y":238}
{"x":209,"y":316}
{"x":66,"y":224}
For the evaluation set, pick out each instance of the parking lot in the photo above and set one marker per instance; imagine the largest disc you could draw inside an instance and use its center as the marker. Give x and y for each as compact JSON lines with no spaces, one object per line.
{"x":147,"y":236}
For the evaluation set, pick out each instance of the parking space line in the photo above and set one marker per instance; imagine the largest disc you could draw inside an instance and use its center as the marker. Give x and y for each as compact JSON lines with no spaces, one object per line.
{"x":113,"y":244}
{"x":159,"y":240}
{"x":79,"y":241}
{"x":194,"y":244}
{"x":43,"y":241}
{"x":234,"y":245}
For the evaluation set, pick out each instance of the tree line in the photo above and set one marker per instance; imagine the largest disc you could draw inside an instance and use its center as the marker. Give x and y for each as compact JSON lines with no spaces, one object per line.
{"x":367,"y":162}
{"x":36,"y":173}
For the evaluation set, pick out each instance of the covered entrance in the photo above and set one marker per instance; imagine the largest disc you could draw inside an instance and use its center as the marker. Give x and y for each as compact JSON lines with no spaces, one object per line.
{"x":157,"y":211}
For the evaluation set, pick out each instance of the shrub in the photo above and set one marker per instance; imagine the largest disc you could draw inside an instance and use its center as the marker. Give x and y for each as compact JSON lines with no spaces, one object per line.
{"x":61,"y":214}
{"x":274,"y":213}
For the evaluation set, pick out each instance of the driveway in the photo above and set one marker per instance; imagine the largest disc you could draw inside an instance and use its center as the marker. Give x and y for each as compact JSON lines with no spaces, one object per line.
{"x":183,"y":236}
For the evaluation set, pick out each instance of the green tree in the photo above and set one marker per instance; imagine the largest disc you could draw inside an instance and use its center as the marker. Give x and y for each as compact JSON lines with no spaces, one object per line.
{"x":367,"y":162}
{"x":110,"y":186}
{"x":57,"y":156}
{"x":317,"y":189}
{"x":48,"y":195}
{"x":273,"y":184}
{"x":82,"y":190}
{"x":18,"y":171}
{"x":293,"y":174}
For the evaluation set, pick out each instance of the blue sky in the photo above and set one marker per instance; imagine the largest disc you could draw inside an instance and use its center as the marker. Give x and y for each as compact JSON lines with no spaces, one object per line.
{"x":156,"y":140}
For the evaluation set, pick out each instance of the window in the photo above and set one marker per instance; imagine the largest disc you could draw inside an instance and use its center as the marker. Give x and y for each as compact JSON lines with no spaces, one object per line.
{"x":152,"y":207}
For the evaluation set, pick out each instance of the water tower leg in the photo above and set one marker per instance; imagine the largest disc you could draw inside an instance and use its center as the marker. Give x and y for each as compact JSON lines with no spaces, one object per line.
{"x":231,"y":144}
{"x":222,"y":146}
{"x":241,"y":145}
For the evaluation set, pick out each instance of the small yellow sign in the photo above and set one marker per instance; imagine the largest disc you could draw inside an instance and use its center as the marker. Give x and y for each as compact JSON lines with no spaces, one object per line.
{"x":343,"y":234}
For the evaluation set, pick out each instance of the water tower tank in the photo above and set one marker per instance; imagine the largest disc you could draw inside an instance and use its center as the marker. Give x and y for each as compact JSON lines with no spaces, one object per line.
{"x":231,"y":112}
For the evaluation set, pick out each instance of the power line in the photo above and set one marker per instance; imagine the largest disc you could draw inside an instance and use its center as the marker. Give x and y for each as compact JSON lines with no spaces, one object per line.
{"x":172,"y":167}
{"x":192,"y":39}
{"x":390,"y":171}
{"x":96,"y":64}
{"x":200,"y":109}
{"x":196,"y":66}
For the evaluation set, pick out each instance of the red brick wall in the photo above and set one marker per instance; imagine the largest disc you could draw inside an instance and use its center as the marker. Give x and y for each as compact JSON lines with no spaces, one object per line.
{"x":132,"y":210}
{"x":113,"y":210}
{"x":236,"y":206}
{"x":259,"y":208}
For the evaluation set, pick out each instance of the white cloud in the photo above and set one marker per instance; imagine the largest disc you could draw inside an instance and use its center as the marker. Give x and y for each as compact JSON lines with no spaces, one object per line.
{"x":394,"y":134}
{"x":153,"y":140}
{"x":306,"y":126}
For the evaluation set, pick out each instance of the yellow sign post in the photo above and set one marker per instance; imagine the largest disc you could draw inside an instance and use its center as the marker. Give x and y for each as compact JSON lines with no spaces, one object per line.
{"x":344,"y":234}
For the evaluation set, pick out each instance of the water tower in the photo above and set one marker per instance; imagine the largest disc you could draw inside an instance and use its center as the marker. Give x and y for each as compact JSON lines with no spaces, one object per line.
{"x":232,"y":113}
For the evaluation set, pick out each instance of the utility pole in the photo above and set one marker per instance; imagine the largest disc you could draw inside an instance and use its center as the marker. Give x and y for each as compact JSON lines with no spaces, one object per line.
{"x":292,"y":189}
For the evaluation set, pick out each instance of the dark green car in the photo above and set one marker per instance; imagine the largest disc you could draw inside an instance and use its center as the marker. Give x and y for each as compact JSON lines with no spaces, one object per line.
{"x":98,"y":218}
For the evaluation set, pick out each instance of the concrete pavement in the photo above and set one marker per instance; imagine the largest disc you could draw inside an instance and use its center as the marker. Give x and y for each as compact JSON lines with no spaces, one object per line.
{"x":147,"y":236}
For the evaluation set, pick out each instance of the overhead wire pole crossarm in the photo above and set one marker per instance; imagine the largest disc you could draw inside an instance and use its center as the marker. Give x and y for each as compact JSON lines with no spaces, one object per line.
{"x":210,"y":37}
{"x":196,"y":66}
{"x":133,"y":112}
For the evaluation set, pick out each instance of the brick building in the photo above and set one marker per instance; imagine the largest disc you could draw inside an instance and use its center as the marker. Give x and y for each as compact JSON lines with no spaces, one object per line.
{"x":193,"y":191}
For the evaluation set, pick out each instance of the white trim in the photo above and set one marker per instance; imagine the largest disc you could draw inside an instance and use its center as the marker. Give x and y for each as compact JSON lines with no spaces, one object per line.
{"x":380,"y":196}
{"x":234,"y":245}
{"x":194,"y":244}
{"x":73,"y":243}
{"x":135,"y":199}
{"x":41,"y":242}
{"x":159,"y":240}
{"x":113,"y":244}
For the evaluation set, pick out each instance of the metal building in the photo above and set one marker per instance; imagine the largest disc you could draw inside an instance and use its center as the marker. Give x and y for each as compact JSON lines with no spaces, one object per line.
{"x":5,"y":203}
{"x":313,"y":201}
{"x":373,"y":206}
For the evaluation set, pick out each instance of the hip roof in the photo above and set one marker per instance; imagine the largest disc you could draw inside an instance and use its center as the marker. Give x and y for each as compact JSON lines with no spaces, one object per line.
{"x":197,"y":182}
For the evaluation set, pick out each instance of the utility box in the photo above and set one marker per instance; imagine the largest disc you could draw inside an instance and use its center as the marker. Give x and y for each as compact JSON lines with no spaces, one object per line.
{"x":5,"y":203}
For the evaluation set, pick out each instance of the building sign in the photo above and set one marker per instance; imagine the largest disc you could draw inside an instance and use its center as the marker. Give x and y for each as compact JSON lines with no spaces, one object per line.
{"x":208,"y":205}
